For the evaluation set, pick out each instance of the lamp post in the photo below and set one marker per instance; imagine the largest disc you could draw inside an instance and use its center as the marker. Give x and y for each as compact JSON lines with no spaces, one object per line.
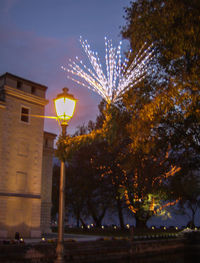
{"x":65,"y":105}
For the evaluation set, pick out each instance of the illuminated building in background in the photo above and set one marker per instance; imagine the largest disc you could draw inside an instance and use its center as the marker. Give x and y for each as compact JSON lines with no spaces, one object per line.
{"x":26,"y":154}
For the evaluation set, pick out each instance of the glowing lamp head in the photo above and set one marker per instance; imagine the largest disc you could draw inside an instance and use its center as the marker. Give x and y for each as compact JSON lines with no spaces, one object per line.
{"x":65,"y":105}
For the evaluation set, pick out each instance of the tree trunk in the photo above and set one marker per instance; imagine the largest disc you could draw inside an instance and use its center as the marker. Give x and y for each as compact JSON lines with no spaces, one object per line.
{"x":191,"y":222}
{"x":77,"y":222}
{"x":120,"y":213}
{"x":140,"y":223}
{"x":97,"y":218}
{"x":83,"y":223}
{"x":141,"y":220}
{"x":193,"y":209}
{"x":98,"y":222}
{"x":77,"y":219}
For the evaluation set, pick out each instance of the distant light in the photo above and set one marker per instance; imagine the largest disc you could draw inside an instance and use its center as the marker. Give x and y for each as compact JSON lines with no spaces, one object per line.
{"x":102,"y":227}
{"x":153,"y":227}
{"x":128,"y":226}
{"x":88,"y":226}
{"x":43,"y":238}
{"x":115,"y":227}
{"x":165,"y":228}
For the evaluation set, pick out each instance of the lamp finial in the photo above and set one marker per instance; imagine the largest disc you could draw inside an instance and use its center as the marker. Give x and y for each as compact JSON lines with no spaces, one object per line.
{"x":65,"y":90}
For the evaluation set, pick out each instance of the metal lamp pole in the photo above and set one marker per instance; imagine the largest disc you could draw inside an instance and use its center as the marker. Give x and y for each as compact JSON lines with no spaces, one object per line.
{"x":61,"y":213}
{"x":65,"y":105}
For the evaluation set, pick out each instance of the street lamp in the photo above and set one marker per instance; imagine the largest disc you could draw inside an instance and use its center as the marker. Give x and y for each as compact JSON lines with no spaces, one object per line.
{"x":65,"y":105}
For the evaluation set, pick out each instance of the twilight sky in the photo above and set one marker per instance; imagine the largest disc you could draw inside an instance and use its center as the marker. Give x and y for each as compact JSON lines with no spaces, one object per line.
{"x":39,"y":36}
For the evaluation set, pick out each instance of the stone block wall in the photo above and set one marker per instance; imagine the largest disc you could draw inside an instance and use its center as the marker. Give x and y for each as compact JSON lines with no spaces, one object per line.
{"x":46,"y":190}
{"x":21,"y":150}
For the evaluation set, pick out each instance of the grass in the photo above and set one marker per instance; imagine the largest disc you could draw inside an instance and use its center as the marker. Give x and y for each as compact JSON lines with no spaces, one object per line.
{"x":111,"y":232}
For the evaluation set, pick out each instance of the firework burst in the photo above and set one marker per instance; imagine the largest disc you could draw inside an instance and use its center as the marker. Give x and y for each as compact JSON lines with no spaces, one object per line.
{"x":120,"y":76}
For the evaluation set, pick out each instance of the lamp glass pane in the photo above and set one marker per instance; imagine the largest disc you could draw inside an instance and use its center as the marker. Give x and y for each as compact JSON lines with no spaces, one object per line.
{"x":65,"y":108}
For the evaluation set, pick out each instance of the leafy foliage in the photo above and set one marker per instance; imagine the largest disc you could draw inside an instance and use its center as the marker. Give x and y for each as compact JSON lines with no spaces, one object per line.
{"x":165,"y":109}
{"x":142,"y":148}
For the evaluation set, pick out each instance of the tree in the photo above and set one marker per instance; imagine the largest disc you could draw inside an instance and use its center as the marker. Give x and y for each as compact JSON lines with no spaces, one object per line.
{"x":76,"y":189}
{"x":163,"y":124}
{"x":173,"y":28}
{"x":165,"y":106}
{"x":187,"y":185}
{"x":146,"y":183}
{"x":116,"y":139}
{"x":114,"y":158}
{"x":139,"y":164}
{"x":89,"y":191}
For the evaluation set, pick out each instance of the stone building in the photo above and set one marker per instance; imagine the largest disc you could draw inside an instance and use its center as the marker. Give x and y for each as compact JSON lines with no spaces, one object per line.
{"x":26,"y":153}
{"x":47,"y":165}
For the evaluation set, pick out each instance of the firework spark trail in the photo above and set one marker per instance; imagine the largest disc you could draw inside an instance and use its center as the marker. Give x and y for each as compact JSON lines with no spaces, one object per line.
{"x":119,"y":76}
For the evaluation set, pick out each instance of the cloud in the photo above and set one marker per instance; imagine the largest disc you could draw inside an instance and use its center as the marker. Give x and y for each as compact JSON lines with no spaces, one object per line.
{"x":39,"y":58}
{"x":26,"y":51}
{"x":7,"y":6}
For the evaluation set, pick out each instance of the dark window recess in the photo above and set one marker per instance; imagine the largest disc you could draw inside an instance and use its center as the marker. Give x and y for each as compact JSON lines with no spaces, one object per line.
{"x":2,"y":95}
{"x":19,"y":84}
{"x":24,"y":114}
{"x":33,"y":89}
{"x":46,"y":142}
